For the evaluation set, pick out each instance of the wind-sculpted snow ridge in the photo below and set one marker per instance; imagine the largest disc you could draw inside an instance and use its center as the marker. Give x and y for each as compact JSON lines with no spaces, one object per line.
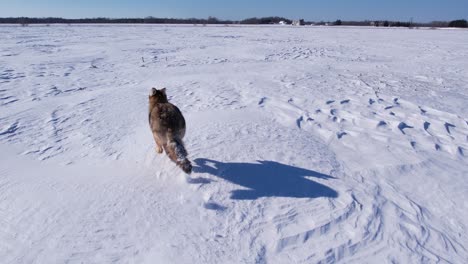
{"x":389,"y":193}
{"x":309,"y":145}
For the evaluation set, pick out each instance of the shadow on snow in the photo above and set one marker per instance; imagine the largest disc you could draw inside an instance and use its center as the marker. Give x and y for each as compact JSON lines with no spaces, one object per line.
{"x":267,"y":179}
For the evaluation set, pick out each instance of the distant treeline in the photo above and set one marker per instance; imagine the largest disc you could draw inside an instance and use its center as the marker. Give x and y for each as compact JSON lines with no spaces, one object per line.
{"x":265,"y":20}
{"x":146,"y":20}
{"x":213,"y":20}
{"x":385,"y":23}
{"x":103,"y":20}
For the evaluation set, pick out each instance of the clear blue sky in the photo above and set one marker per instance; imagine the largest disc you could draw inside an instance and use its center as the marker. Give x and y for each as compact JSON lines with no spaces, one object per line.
{"x":314,"y":10}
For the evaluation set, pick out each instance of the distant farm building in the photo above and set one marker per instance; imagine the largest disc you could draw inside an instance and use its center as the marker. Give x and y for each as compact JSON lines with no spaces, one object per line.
{"x":299,"y":22}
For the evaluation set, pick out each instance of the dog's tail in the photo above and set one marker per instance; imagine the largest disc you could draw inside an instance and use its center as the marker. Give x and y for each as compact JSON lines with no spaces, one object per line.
{"x":176,"y":151}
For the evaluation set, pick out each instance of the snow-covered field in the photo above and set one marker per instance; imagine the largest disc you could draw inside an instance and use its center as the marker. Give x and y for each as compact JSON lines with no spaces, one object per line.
{"x":310,"y":145}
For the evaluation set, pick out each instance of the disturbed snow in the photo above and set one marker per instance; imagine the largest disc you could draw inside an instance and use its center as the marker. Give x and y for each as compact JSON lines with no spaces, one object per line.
{"x":309,"y":144}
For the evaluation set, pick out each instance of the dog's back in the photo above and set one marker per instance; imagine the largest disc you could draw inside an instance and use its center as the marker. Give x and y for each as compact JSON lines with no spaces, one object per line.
{"x":168,"y":126}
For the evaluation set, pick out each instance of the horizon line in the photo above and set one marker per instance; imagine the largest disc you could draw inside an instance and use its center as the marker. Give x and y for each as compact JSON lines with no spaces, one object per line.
{"x":223,"y":20}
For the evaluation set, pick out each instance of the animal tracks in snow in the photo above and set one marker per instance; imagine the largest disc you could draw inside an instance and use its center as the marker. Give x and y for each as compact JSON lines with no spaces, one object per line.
{"x":370,"y":121}
{"x":373,"y":145}
{"x":302,"y":151}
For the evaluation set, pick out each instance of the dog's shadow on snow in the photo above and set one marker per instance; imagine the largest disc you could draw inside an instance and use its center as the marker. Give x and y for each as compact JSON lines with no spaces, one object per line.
{"x":267,"y":179}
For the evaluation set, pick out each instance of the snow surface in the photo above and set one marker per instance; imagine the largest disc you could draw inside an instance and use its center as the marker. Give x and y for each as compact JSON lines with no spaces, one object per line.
{"x":310,"y":145}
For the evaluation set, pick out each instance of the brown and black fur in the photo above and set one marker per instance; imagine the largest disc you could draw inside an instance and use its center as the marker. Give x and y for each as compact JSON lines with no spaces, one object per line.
{"x":168,"y":126}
